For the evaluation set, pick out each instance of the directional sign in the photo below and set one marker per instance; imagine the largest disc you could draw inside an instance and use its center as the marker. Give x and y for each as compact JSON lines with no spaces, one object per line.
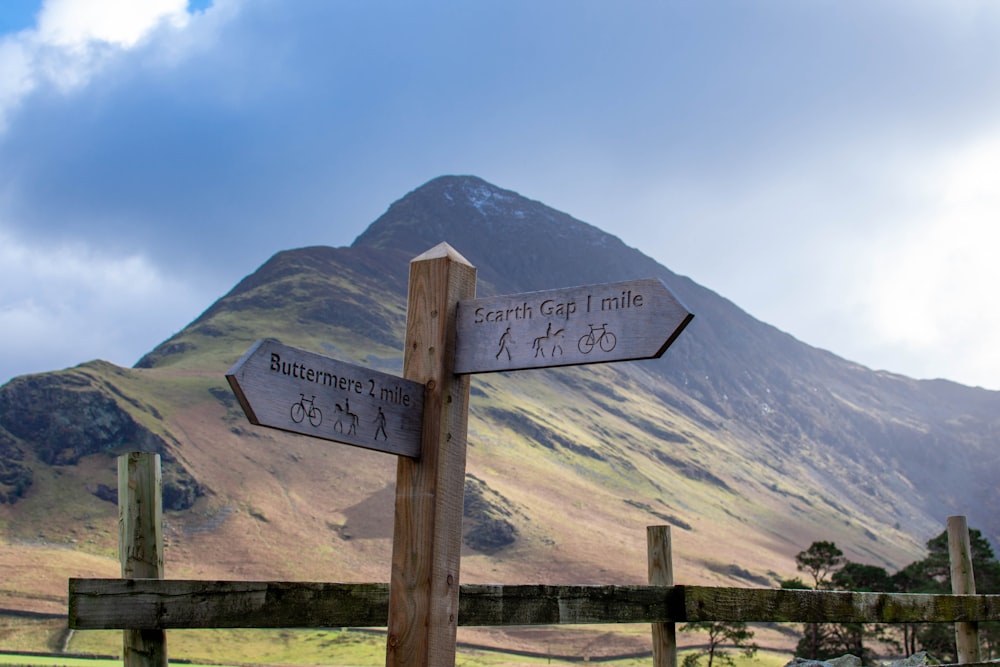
{"x":302,"y":392}
{"x":592,"y":324}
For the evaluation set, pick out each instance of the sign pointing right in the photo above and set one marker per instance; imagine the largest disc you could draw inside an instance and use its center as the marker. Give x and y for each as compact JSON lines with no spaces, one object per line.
{"x":591,"y":324}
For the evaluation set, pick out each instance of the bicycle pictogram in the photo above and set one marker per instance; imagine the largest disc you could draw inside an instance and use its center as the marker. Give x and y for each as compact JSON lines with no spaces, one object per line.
{"x":300,"y":411}
{"x":606,"y":340}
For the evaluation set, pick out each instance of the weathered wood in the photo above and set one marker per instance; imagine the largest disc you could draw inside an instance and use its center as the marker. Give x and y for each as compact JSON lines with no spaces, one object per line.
{"x":495,"y":605}
{"x":150,"y":603}
{"x":802,"y":606}
{"x":661,"y":573}
{"x":427,"y":534}
{"x":140,"y":546}
{"x":963,"y":582}
{"x":302,"y":392}
{"x":590,"y":324}
{"x":653,"y":604}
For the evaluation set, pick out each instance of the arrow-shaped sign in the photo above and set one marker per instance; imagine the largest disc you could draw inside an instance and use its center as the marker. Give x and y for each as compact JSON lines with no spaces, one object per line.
{"x":592,"y":324}
{"x":293,"y":390}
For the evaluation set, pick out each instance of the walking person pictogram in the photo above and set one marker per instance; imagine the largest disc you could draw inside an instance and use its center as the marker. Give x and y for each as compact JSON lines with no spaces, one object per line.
{"x":506,"y":340}
{"x":380,"y":420}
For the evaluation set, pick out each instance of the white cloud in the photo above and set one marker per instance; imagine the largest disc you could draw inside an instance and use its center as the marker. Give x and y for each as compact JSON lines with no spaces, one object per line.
{"x":60,"y":306}
{"x":930,"y":288}
{"x":886,"y":254}
{"x":73,"y":40}
{"x":76,"y":23}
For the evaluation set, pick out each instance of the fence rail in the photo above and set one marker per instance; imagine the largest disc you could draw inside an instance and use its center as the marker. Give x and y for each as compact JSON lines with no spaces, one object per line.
{"x":145,"y":607}
{"x":170,"y":604}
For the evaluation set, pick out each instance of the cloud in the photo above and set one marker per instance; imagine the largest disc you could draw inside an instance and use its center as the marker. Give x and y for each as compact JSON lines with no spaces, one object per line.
{"x":74,"y":24}
{"x":930,"y":288}
{"x":782,"y":154}
{"x":73,"y":40}
{"x":61,"y":304}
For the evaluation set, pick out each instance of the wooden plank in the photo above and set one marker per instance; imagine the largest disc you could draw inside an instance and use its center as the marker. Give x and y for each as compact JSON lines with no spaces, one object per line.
{"x":963,"y":582}
{"x":496,"y":605}
{"x":590,"y":324}
{"x":427,"y":532}
{"x":703,"y":603}
{"x":150,"y":603}
{"x":660,"y":568}
{"x":302,"y":392}
{"x":140,"y":546}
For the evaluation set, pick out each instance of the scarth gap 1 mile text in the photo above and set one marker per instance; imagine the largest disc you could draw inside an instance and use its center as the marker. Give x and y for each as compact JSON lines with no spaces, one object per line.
{"x":556,"y":308}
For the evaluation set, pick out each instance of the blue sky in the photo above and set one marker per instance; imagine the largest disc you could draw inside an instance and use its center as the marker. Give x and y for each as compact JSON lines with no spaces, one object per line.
{"x":831,"y":167}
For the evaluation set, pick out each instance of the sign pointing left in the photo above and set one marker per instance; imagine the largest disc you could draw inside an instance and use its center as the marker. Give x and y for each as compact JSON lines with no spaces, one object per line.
{"x":293,"y":390}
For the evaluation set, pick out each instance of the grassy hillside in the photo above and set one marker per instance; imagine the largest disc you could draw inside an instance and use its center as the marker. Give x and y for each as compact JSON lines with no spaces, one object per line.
{"x":749,"y":443}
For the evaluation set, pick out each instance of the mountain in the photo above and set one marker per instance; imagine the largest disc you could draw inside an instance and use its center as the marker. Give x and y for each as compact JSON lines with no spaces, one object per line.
{"x":751,"y":444}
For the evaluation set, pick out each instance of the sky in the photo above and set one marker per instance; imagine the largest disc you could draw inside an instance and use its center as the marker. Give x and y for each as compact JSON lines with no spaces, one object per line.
{"x":832,"y":166}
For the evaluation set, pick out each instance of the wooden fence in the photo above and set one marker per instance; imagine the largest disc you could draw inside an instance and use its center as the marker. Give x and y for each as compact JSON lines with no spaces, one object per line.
{"x":144,"y":605}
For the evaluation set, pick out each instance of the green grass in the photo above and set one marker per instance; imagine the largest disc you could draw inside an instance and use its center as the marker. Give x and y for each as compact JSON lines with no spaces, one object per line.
{"x":280,"y":646}
{"x":310,"y":647}
{"x":61,"y":661}
{"x":462,"y":659}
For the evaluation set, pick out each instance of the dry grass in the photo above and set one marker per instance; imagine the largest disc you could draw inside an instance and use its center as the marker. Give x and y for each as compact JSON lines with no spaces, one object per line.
{"x":286,"y":507}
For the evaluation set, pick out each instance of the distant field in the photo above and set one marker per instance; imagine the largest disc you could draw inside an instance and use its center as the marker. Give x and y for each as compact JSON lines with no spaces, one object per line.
{"x":462,"y":660}
{"x":13,"y":659}
{"x":332,"y":647}
{"x":375,"y":656}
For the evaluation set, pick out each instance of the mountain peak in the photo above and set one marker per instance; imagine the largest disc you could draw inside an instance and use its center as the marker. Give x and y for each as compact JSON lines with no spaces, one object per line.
{"x":485,"y":197}
{"x":521,"y":244}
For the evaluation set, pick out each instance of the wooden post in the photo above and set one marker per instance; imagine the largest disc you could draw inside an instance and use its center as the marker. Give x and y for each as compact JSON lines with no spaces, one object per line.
{"x":661,"y":573}
{"x":427,"y":535}
{"x":140,"y":545}
{"x":963,"y":582}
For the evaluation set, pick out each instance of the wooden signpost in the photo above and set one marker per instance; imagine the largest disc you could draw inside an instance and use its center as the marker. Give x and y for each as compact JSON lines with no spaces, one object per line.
{"x":302,"y":392}
{"x":430,"y":491}
{"x":424,"y":417}
{"x":592,"y":324}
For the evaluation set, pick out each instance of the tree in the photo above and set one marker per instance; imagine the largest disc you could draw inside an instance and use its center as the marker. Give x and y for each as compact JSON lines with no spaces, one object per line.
{"x":933,"y":575}
{"x":820,"y":560}
{"x":828,"y":568}
{"x":719,"y":633}
{"x":850,"y":637}
{"x":862,"y":578}
{"x":794,"y":584}
{"x":914,"y":578}
{"x":984,"y":563}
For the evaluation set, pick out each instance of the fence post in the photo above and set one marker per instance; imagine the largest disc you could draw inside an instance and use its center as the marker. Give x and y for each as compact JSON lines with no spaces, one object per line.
{"x":427,"y":528}
{"x":661,"y":573}
{"x":963,"y":582}
{"x":140,"y":546}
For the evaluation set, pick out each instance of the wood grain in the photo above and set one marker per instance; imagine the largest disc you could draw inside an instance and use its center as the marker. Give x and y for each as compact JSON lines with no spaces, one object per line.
{"x":661,"y":573}
{"x":963,"y":582}
{"x":145,"y":604}
{"x":140,"y":546}
{"x":427,"y":534}
{"x":150,"y":603}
